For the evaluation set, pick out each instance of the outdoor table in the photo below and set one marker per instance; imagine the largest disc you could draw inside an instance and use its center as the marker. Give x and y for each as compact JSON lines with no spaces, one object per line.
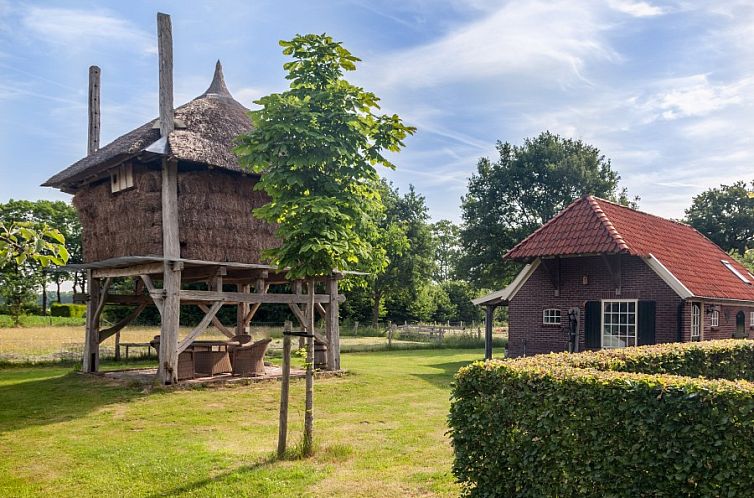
{"x":221,"y":345}
{"x":212,"y":362}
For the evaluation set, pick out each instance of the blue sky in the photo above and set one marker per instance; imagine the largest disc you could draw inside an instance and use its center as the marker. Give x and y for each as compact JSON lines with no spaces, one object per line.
{"x":664,"y":89}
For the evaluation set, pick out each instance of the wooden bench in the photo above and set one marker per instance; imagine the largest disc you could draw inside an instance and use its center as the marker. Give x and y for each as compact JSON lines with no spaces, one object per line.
{"x":129,"y":345}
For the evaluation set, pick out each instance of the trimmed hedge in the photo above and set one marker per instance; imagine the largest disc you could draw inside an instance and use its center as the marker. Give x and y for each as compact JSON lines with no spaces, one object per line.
{"x":596,"y":424}
{"x":68,"y":310}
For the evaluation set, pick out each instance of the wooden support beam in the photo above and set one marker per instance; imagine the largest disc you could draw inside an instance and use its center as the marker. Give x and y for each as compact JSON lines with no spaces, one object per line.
{"x":303,"y":320}
{"x":102,"y":299}
{"x":240,"y":297}
{"x":201,"y":327}
{"x":242,"y":310}
{"x":284,"y":389}
{"x":165,"y":54}
{"x":332,"y":326}
{"x":261,"y":288}
{"x":320,"y":310}
{"x":202,"y":273}
{"x":489,"y":315}
{"x":168,"y":365}
{"x":127,"y":299}
{"x":107,"y":333}
{"x":129,"y":271}
{"x":94,"y":112}
{"x":156,"y":294}
{"x":91,"y":342}
{"x":216,"y":321}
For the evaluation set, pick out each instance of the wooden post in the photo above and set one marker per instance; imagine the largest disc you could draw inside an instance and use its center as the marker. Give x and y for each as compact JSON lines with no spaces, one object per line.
{"x":308,"y":445}
{"x":117,"y":346}
{"x":389,"y":334}
{"x":284,"y":388}
{"x":332,"y":326}
{"x":91,"y":346}
{"x":298,"y":289}
{"x":356,"y":327}
{"x":242,"y":310}
{"x":489,"y":313}
{"x":168,"y":365}
{"x":165,"y":52}
{"x":94,"y":115}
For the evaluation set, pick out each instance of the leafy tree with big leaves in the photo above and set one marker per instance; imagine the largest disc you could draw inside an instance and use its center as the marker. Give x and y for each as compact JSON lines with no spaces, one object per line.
{"x":527,"y":185}
{"x":58,"y":214}
{"x":725,"y":215}
{"x":316,"y":146}
{"x":447,"y":236}
{"x":25,"y":248}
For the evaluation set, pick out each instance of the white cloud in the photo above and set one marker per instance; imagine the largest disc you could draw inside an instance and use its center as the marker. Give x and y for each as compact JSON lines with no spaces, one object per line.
{"x":695,"y":96}
{"x":74,"y":29}
{"x":551,"y":41}
{"x":636,"y":9}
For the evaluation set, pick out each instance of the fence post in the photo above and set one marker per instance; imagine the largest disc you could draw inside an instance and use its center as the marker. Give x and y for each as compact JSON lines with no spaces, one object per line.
{"x":389,"y":334}
{"x":284,"y":387}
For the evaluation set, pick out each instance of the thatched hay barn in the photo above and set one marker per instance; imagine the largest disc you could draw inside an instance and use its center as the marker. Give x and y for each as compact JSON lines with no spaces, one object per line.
{"x":167,"y":204}
{"x":117,"y":189}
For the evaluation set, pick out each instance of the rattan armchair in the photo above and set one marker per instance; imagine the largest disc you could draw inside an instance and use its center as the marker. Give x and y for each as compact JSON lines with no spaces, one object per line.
{"x":185,"y":360}
{"x":248,"y":359}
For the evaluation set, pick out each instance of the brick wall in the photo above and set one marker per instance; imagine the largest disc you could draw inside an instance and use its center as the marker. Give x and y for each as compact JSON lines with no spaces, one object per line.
{"x":527,"y":334}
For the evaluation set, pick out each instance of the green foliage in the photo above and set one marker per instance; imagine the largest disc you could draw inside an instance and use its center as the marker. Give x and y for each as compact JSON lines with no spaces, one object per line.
{"x":68,"y":310}
{"x":725,"y":215}
{"x":447,"y":238}
{"x":7,"y":321}
{"x":316,"y":146}
{"x":26,"y":249}
{"x":460,"y":294}
{"x":746,"y":259}
{"x":509,"y":198}
{"x":662,"y":421}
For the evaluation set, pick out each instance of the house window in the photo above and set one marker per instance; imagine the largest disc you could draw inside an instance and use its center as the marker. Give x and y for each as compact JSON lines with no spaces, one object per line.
{"x":696,"y":322}
{"x":751,"y":319}
{"x":122,"y":177}
{"x":551,"y":316}
{"x":735,"y":272}
{"x":619,"y":323}
{"x":715,"y":319}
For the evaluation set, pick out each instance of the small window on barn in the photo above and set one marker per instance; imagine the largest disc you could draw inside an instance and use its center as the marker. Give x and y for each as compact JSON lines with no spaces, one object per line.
{"x":751,"y":319}
{"x":122,"y":177}
{"x":735,"y":272}
{"x":551,"y":316}
{"x":715,"y":320}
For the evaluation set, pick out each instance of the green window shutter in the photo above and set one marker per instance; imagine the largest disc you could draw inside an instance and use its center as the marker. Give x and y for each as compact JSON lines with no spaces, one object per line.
{"x":647,"y":312}
{"x":592,"y":324}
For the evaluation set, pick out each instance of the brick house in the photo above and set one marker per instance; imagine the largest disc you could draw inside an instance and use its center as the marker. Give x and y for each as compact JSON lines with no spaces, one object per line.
{"x":618,"y":277}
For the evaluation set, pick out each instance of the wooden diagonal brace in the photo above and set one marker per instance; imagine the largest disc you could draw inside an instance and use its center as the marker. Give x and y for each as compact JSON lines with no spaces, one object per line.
{"x":155,"y":293}
{"x":216,"y":321}
{"x":209,"y":316}
{"x":107,"y":333}
{"x":102,"y":300}
{"x":302,"y":319}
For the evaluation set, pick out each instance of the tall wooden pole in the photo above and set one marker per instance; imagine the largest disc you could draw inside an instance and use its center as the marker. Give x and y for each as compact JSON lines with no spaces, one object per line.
{"x":168,"y":366}
{"x":489,"y":313}
{"x":284,"y":389}
{"x":308,"y":448}
{"x":94,"y":106}
{"x":91,"y":346}
{"x":165,"y":51}
{"x":332,"y":324}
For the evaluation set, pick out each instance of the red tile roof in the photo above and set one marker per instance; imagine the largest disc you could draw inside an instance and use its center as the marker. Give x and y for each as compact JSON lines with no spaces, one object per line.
{"x":591,"y":225}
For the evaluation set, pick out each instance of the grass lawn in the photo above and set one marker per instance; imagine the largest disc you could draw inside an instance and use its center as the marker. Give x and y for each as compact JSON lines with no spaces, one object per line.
{"x":380,"y":431}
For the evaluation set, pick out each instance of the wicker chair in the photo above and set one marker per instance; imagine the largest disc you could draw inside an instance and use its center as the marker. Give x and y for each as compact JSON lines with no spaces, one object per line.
{"x":248,"y":359}
{"x":241,"y":339}
{"x":185,"y":360}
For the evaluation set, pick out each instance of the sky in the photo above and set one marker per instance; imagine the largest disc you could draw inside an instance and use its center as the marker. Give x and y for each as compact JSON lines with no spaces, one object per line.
{"x":664,"y":89}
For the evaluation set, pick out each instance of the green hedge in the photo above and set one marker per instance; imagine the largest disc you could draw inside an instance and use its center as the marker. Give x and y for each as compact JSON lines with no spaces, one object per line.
{"x":593,"y":425}
{"x":68,"y":310}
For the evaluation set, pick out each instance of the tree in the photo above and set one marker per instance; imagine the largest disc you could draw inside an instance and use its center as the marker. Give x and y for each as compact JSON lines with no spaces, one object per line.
{"x":447,"y":236}
{"x":408,"y":244}
{"x":316,"y":146}
{"x":58,"y":214}
{"x":509,"y":198}
{"x":25,"y":247}
{"x":725,"y":215}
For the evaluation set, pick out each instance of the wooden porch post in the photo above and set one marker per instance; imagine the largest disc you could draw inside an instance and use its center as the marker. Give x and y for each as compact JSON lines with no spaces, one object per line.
{"x":242,"y":310}
{"x":489,"y":313}
{"x":91,"y":344}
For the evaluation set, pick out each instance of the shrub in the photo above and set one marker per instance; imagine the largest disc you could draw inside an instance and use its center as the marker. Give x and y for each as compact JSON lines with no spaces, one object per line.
{"x":68,"y":310}
{"x":609,"y":423}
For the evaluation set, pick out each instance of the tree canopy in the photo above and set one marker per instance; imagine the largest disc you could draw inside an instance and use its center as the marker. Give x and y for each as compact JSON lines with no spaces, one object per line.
{"x":725,"y":215}
{"x":316,"y":146}
{"x":510,"y":197}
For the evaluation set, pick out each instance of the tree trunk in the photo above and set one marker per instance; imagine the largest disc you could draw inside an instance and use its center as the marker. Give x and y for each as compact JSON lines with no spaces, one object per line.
{"x":308,"y":448}
{"x":376,"y":298}
{"x":44,"y":293}
{"x":57,"y":289}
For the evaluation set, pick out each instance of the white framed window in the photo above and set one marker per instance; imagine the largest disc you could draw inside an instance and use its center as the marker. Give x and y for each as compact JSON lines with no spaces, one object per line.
{"x":751,"y":319}
{"x":735,"y":272}
{"x":551,"y":316}
{"x":122,"y":177}
{"x":696,"y":322}
{"x":715,"y":319}
{"x":619,"y":323}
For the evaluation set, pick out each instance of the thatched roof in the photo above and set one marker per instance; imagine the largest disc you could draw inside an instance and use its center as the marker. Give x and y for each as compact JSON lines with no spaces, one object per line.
{"x":204,"y":133}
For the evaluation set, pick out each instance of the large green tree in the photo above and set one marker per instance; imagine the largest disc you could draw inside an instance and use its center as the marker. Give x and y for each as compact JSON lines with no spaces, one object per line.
{"x":726,"y":215}
{"x":316,"y":146}
{"x":524,"y":187}
{"x":447,"y":236}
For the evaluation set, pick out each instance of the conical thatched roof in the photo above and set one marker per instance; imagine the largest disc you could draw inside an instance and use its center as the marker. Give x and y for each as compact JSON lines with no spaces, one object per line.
{"x":204,"y":133}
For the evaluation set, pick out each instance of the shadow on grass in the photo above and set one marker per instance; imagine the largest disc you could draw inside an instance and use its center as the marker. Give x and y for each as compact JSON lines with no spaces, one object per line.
{"x":41,"y":396}
{"x":445,"y":373}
